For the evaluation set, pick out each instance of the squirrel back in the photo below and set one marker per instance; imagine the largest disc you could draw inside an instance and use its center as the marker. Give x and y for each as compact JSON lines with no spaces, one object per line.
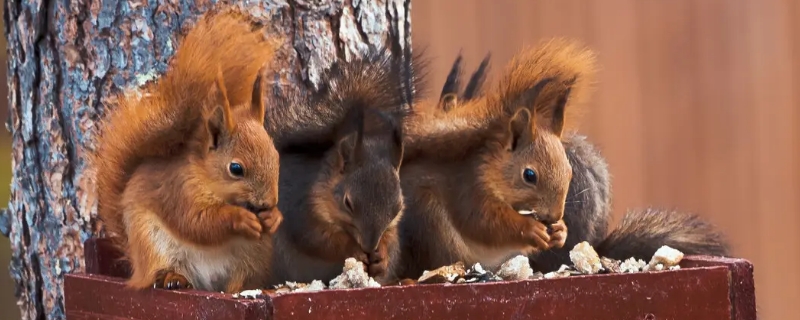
{"x":343,"y":199}
{"x":158,"y":122}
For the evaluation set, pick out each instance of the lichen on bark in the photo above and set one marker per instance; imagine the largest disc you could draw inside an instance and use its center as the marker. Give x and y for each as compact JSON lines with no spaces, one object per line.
{"x":67,"y":60}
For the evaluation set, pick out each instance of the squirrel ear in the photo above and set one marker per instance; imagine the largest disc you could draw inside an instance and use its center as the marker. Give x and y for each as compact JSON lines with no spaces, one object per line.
{"x":348,"y":149}
{"x":221,"y":116}
{"x":397,"y":147}
{"x":448,"y":101}
{"x":520,"y":129}
{"x":258,"y":105}
{"x":557,"y":121}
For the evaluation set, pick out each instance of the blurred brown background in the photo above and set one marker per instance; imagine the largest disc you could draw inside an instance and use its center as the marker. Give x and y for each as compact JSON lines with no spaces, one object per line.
{"x":696,"y":109}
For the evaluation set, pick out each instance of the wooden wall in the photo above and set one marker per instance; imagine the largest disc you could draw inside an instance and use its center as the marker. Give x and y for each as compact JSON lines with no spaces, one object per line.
{"x":696,"y":107}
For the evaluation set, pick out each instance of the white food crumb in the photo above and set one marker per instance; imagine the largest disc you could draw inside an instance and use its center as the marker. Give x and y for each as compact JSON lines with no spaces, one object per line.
{"x":516,"y":268}
{"x":250,"y":294}
{"x":632,"y":265}
{"x":667,"y":256}
{"x":585,"y":259}
{"x":353,"y":276}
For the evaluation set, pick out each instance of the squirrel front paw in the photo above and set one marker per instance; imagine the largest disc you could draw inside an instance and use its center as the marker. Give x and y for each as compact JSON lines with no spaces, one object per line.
{"x":271,"y":220}
{"x":246,"y":223}
{"x":535,"y":234}
{"x":171,"y":280}
{"x":558,"y":234}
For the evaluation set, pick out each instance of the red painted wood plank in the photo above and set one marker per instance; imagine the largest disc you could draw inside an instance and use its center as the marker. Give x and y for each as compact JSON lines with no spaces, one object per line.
{"x":706,"y":288}
{"x":743,"y":291}
{"x":107,"y":297}
{"x":700,"y":293}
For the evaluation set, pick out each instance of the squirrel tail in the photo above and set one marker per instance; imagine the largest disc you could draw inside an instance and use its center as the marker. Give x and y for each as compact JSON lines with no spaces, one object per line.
{"x":158,"y":121}
{"x":567,"y":64}
{"x":375,"y":82}
{"x":642,"y":232}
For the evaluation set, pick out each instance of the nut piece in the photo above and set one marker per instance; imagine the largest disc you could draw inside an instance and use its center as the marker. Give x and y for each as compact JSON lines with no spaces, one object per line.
{"x":478,"y":274}
{"x":557,"y":274}
{"x":353,"y":276}
{"x":667,"y":256}
{"x":446,"y":274}
{"x":585,"y":258}
{"x":610,"y":265}
{"x":517,"y":268}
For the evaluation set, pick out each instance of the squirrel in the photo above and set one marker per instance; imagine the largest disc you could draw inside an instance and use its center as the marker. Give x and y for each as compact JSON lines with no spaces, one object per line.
{"x":489,"y":177}
{"x":344,"y":199}
{"x":187,"y":177}
{"x":588,"y":206}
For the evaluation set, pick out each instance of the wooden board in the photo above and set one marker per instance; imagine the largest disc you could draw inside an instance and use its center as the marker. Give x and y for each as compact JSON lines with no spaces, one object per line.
{"x":706,"y":288}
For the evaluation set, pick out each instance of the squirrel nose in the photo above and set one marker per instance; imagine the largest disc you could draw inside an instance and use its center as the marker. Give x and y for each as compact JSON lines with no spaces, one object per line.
{"x":256,"y":208}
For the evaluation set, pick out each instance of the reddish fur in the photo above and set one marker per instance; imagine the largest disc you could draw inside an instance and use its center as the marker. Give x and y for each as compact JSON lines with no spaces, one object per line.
{"x":431,"y":130}
{"x":462,"y":179}
{"x":164,"y":193}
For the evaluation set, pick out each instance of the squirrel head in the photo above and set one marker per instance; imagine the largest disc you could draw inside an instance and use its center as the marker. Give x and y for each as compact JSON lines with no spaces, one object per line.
{"x":360,"y":191}
{"x":234,"y":150}
{"x":527,"y":165}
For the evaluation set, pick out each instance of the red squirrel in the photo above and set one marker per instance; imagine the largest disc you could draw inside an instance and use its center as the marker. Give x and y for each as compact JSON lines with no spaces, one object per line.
{"x":588,"y":205}
{"x":486,"y":180}
{"x":344,"y":199}
{"x":187,"y":177}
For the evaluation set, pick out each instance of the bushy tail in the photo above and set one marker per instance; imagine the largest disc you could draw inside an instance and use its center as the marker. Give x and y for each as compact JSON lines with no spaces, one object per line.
{"x":375,"y":81}
{"x":159,"y":120}
{"x":566,"y":63}
{"x":642,"y":232}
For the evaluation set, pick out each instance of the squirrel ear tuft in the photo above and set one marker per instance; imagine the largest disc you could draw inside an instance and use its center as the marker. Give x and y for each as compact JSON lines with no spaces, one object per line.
{"x":348,"y":149}
{"x":258,"y":105}
{"x":221,"y":116}
{"x":558,"y":114}
{"x":520,"y":129}
{"x":397,"y":146}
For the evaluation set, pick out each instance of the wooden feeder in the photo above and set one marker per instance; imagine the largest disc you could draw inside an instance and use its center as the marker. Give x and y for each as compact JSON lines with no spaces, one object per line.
{"x":704,"y":288}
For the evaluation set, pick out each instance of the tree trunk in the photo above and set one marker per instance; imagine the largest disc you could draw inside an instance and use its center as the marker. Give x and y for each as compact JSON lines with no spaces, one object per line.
{"x":67,"y":57}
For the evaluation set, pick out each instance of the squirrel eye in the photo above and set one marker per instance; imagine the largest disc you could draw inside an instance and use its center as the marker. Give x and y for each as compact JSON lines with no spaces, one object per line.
{"x":348,"y":204}
{"x":236,"y":169}
{"x":530,"y":176}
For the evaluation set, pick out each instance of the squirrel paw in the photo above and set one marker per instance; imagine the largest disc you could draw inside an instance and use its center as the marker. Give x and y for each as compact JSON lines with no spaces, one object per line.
{"x":558,"y":234}
{"x":271,"y":220}
{"x":246,"y":223}
{"x":378,"y":262}
{"x":535,"y":233}
{"x":171,"y":280}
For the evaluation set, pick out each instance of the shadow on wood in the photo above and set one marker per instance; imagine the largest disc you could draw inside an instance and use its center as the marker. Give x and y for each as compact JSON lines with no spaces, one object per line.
{"x":705,"y":288}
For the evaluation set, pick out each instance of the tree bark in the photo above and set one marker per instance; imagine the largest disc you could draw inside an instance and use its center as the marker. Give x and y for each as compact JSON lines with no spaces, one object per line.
{"x":66,"y":58}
